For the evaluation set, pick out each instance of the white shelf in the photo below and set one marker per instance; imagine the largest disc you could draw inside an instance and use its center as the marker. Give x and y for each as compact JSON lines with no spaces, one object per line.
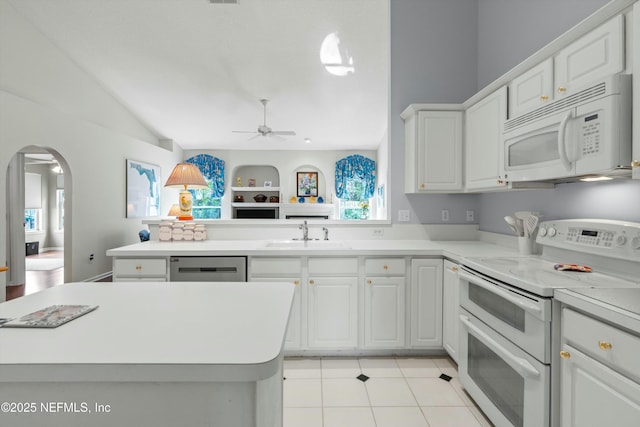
{"x":255,"y":205}
{"x":255,"y":188}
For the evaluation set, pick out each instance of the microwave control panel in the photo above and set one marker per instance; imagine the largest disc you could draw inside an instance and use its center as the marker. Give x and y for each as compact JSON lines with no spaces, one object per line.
{"x":590,"y":134}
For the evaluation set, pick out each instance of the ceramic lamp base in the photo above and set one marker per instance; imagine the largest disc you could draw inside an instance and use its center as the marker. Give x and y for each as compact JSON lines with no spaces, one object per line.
{"x":186,"y":201}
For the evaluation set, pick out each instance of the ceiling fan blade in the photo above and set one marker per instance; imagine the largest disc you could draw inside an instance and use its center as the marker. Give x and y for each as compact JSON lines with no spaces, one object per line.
{"x":283,"y":132}
{"x":244,"y":131}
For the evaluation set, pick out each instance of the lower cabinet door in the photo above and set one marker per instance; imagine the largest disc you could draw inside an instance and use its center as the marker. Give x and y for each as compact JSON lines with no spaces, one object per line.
{"x":333,"y":312}
{"x":595,"y":395}
{"x":384,"y":317}
{"x":450,"y":304}
{"x":293,"y":340}
{"x":426,"y":303}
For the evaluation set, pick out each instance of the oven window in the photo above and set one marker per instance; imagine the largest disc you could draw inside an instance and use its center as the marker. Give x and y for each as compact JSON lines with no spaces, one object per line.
{"x":497,"y":306}
{"x":497,"y":380}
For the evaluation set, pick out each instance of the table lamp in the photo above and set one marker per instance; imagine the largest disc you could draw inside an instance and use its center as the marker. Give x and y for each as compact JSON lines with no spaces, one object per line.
{"x":186,"y":175}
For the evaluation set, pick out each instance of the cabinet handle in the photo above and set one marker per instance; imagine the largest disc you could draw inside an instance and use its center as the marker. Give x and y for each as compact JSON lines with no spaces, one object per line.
{"x":311,"y":282}
{"x":422,"y":185}
{"x":565,"y":354}
{"x":369,"y":282}
{"x":386,"y":267}
{"x":604,"y":345}
{"x":562,"y":89}
{"x":296,"y":282}
{"x":454,"y":269}
{"x":138,"y":267}
{"x":500,"y":182}
{"x":544,"y":98}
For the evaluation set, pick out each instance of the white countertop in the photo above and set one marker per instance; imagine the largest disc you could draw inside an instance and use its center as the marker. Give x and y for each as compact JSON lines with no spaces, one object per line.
{"x":451,"y":249}
{"x":151,"y":332}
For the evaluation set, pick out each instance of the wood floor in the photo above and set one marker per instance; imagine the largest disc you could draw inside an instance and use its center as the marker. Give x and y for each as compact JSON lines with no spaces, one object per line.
{"x":36,"y":281}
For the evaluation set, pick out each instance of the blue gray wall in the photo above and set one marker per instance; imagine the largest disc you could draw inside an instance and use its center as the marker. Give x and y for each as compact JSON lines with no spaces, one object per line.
{"x":444,"y":52}
{"x":433,"y":60}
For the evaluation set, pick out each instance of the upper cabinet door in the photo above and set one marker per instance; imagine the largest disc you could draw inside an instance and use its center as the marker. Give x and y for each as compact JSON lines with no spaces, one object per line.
{"x":531,"y":89}
{"x":592,"y":57}
{"x":433,"y":152}
{"x":484,"y":123}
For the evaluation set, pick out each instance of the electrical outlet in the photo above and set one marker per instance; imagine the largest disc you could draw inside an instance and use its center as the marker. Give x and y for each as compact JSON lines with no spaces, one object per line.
{"x":404,"y":216}
{"x":445,"y":215}
{"x":378,"y":233}
{"x":91,"y":258}
{"x":471,"y":216}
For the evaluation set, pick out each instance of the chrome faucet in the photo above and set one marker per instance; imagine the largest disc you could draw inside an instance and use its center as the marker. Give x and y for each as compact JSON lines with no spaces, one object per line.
{"x":325,"y":230}
{"x":305,"y":230}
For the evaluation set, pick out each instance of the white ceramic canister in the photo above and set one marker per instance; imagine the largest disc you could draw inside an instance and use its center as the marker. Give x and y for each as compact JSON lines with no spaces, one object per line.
{"x":164,"y":231}
{"x":177,"y":231}
{"x":200,"y":232}
{"x":189,"y":230}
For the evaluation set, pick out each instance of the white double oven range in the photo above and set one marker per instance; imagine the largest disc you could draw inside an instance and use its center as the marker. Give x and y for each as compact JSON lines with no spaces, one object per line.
{"x":510,"y":324}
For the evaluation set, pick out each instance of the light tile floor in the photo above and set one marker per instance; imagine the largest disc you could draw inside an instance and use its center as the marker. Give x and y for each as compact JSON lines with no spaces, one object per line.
{"x":400,"y":392}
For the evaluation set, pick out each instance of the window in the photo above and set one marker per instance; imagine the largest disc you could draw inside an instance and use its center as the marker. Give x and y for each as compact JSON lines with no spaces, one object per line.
{"x":355,"y":184}
{"x":207,"y":202}
{"x":60,"y":206}
{"x":33,"y":219}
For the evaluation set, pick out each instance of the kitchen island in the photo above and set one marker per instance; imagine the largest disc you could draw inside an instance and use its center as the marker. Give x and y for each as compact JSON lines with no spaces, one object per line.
{"x":162,"y":354}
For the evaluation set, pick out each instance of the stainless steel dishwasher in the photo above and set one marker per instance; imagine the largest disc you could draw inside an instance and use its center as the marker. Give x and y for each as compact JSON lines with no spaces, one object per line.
{"x":208,"y":269}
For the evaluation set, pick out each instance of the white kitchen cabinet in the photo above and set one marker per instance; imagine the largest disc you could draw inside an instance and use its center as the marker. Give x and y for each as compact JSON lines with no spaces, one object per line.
{"x":426,"y":303}
{"x":484,"y":123}
{"x":433,"y":151}
{"x":531,"y":89}
{"x":272,"y":269}
{"x":332,"y":303}
{"x":600,"y":374}
{"x":384,"y":303}
{"x":450,"y":304}
{"x":598,"y":54}
{"x":140,"y":269}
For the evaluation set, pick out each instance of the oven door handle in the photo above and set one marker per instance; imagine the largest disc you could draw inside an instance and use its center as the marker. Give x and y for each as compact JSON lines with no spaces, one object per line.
{"x":520,"y":302}
{"x":522,"y":366}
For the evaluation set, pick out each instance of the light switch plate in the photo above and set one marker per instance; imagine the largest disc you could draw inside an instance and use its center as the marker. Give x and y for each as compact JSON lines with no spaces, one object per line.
{"x":445,"y":215}
{"x":471,"y":216}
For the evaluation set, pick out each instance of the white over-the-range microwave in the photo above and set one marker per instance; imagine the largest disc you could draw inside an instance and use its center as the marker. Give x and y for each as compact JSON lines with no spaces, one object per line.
{"x":585,"y":133}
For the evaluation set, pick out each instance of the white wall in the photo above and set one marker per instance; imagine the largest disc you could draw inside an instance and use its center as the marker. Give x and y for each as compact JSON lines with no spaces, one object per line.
{"x":47,"y":100}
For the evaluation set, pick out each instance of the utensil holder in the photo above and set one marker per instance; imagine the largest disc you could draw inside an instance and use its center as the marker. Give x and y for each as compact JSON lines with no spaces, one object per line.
{"x":525,"y":245}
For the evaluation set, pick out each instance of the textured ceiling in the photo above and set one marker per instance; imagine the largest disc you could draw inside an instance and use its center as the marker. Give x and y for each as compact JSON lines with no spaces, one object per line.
{"x":193,"y":72}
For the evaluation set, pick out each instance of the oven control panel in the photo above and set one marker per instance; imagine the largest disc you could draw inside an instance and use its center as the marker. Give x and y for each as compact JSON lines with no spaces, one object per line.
{"x":619,"y":239}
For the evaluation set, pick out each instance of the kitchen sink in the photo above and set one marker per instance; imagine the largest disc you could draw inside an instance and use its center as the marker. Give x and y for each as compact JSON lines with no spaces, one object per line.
{"x":301,"y":244}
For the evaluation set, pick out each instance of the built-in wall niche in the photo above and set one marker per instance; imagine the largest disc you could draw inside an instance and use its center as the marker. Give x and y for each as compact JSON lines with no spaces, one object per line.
{"x":306,"y":173}
{"x":256,"y":192}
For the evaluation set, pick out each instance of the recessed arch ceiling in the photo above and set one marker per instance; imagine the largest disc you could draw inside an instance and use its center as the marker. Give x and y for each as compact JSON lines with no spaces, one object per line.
{"x":193,"y":71}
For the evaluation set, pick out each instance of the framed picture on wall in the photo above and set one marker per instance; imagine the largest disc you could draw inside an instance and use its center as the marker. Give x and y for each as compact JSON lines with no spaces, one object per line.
{"x":143,"y":189}
{"x":307,"y":184}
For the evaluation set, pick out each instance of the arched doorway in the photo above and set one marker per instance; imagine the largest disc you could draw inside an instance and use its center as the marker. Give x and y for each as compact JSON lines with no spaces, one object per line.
{"x":39,"y":222}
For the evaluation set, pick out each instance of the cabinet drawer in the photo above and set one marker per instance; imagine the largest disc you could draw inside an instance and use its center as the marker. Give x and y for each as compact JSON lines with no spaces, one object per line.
{"x":333,"y":266}
{"x":135,"y":267}
{"x":384,"y":266}
{"x":612,"y":346}
{"x":275,"y":266}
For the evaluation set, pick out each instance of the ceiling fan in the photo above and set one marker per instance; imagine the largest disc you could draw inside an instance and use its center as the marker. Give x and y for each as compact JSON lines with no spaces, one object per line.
{"x":265,"y":130}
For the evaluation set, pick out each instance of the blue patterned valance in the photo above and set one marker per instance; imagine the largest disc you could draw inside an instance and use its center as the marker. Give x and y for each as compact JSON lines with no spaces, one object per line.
{"x":213,"y":170}
{"x":355,"y":167}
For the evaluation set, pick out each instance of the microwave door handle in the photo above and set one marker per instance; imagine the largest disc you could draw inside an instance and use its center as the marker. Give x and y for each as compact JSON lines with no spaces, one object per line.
{"x":522,"y":366}
{"x":520,"y":302}
{"x":562,"y":140}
